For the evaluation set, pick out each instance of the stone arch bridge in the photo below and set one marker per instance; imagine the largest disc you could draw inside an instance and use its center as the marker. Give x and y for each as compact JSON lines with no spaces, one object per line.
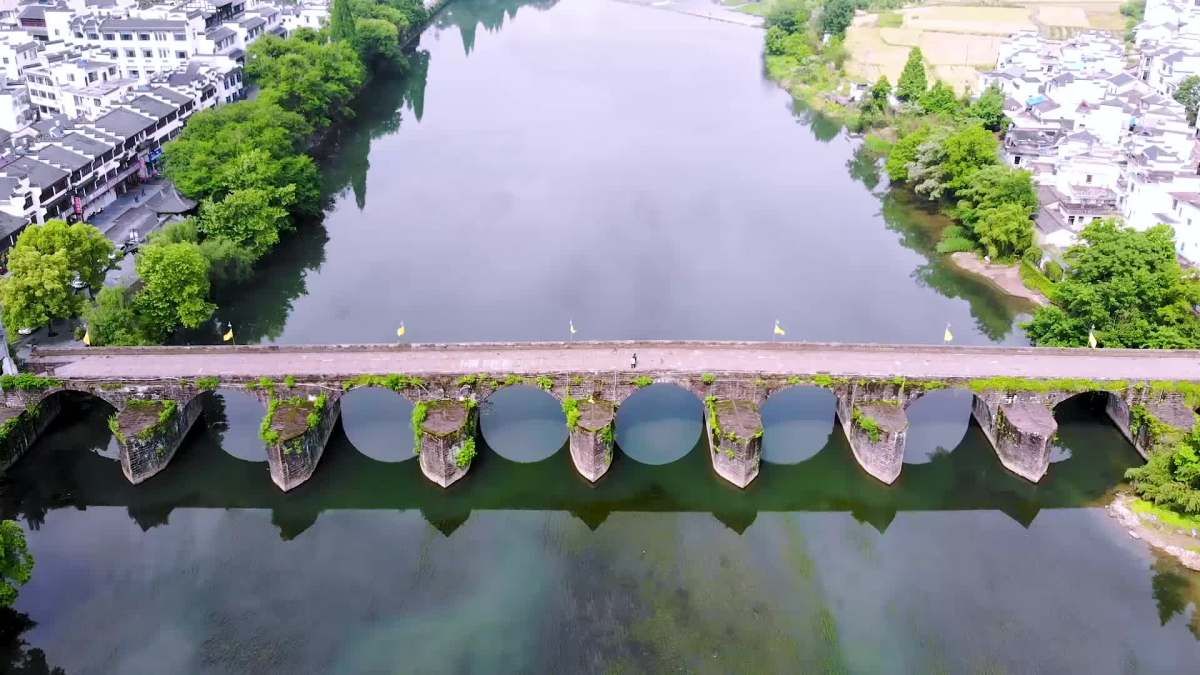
{"x":157,"y":392}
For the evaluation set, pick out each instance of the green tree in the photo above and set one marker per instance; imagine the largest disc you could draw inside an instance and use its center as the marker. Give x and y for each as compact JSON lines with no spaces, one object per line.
{"x":378,"y":43}
{"x":218,"y":145}
{"x":966,"y":151}
{"x":86,"y":247}
{"x":1188,"y":95}
{"x":1126,"y":283}
{"x":175,"y":289}
{"x":1171,"y":477}
{"x":37,"y":289}
{"x":251,"y":218}
{"x":789,"y":15}
{"x":112,"y":319}
{"x":912,"y":82}
{"x":904,"y":153}
{"x":1005,"y":231}
{"x":993,"y":186}
{"x":341,"y":21}
{"x":939,"y":99}
{"x":315,"y":80}
{"x":989,"y":109}
{"x":16,"y":563}
{"x":836,"y":16}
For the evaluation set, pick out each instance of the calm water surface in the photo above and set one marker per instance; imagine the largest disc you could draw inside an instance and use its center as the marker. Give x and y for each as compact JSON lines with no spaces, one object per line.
{"x":630,"y":169}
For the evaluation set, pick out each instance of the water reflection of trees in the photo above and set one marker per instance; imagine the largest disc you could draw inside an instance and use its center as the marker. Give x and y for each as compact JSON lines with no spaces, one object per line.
{"x":995,"y":315}
{"x":63,"y":471}
{"x":16,"y":656}
{"x":1175,"y":589}
{"x":467,"y":15}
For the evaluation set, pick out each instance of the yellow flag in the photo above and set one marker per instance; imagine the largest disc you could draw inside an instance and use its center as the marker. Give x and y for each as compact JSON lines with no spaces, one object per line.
{"x":401,"y":330}
{"x":228,"y":336}
{"x":778,"y":330}
{"x":948,"y":336}
{"x":87,"y":337}
{"x":571,"y":326}
{"x":1092,"y":338}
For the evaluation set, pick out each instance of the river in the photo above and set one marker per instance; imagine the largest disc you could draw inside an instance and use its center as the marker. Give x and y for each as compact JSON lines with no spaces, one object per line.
{"x":628,"y":169}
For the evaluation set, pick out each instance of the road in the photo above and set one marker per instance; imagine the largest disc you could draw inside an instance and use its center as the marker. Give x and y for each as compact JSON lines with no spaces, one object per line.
{"x":847,"y":360}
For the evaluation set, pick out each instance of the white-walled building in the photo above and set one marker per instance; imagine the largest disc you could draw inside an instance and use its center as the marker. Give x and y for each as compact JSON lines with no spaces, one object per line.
{"x":1099,"y":141}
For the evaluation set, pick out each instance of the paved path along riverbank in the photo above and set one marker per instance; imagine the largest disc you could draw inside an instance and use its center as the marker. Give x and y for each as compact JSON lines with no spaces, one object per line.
{"x":847,"y":360}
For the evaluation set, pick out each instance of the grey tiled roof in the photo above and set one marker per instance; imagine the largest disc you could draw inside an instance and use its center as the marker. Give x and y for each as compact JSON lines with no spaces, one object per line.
{"x":123,"y":123}
{"x":219,"y":33}
{"x":40,"y":174}
{"x":170,"y":95}
{"x":85,"y":145}
{"x":61,"y":157}
{"x":152,"y":107}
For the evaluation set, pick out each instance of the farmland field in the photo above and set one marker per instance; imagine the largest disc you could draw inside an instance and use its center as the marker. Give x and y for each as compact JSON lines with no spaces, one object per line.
{"x":960,"y":40}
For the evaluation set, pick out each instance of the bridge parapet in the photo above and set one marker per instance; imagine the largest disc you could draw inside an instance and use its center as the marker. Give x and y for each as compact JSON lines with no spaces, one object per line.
{"x":873,"y":385}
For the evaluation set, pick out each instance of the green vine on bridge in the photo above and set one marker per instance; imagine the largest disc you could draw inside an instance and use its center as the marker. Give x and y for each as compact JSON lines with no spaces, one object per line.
{"x":419,"y":413}
{"x":393,"y":381}
{"x":466,"y":453}
{"x":28,"y":382}
{"x":570,"y":406}
{"x":868,"y":424}
{"x":207,"y":383}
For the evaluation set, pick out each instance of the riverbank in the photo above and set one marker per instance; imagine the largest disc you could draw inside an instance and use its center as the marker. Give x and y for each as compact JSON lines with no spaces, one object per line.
{"x":1006,"y":278}
{"x":1181,"y":544}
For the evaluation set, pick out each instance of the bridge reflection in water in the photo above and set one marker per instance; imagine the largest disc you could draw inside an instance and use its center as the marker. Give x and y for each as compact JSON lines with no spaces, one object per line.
{"x":68,"y":468}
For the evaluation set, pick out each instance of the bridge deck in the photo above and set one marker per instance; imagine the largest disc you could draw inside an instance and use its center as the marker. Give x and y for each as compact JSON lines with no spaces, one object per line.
{"x":847,"y":360}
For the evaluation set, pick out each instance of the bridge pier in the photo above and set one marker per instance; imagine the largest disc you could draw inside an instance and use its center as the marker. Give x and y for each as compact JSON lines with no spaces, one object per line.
{"x":21,"y":426}
{"x":1020,"y":430}
{"x":592,"y":438}
{"x":445,"y":438}
{"x":876,"y":431}
{"x":734,"y":438}
{"x":149,"y":431}
{"x":295,"y":431}
{"x":1150,"y":424}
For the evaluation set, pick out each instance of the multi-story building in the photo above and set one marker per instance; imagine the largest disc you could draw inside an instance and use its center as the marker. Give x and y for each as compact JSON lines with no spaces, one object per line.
{"x":1099,"y":141}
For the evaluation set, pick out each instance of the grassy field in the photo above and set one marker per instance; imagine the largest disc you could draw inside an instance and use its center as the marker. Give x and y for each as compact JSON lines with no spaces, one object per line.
{"x":961,"y":39}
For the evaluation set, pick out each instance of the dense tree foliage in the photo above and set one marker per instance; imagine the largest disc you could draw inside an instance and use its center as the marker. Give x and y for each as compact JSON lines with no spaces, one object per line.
{"x":174,"y":289}
{"x":37,"y":289}
{"x":939,"y":99}
{"x":341,"y":22}
{"x":316,"y":80}
{"x":87,"y":248}
{"x":251,"y":219}
{"x":1188,"y":95}
{"x":912,"y":83}
{"x":836,"y":16}
{"x":16,"y":563}
{"x":41,"y":268}
{"x":1126,"y":283}
{"x":989,"y":109}
{"x":1171,"y":477}
{"x":112,"y":320}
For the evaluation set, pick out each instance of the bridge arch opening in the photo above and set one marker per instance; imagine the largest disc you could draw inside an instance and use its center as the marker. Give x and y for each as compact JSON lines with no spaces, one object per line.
{"x":378,"y":423}
{"x":1084,"y":423}
{"x":797,"y":424}
{"x":523,"y":423}
{"x":81,"y":412}
{"x":938,"y":421}
{"x":235,"y":417}
{"x":659,"y":424}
